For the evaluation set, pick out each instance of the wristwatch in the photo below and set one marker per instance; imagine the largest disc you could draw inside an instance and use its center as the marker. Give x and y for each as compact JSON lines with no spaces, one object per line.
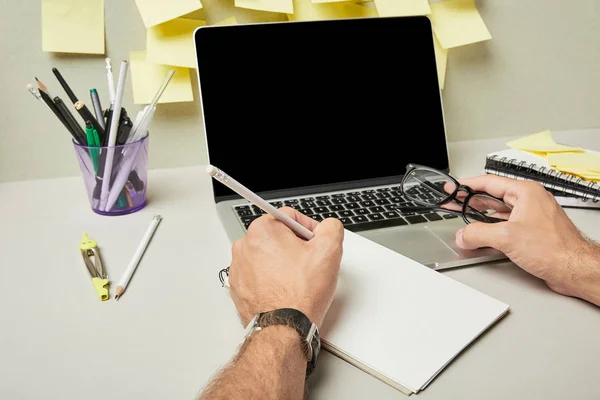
{"x":311,"y":341}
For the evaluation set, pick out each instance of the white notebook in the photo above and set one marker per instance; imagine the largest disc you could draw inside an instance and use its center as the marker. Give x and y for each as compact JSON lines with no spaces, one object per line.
{"x":399,"y":320}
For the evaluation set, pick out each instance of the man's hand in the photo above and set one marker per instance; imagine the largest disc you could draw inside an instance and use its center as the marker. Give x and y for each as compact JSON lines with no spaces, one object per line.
{"x":538,"y":236}
{"x":273,"y":268}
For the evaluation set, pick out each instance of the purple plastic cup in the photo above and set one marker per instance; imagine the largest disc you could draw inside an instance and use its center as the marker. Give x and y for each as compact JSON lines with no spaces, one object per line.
{"x":128,"y":178}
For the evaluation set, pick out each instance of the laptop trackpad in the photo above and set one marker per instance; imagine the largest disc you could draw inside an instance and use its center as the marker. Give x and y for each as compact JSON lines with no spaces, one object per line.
{"x":421,"y":245}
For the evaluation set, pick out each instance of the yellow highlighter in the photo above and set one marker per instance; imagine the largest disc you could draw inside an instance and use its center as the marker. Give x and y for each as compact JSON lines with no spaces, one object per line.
{"x":93,"y":262}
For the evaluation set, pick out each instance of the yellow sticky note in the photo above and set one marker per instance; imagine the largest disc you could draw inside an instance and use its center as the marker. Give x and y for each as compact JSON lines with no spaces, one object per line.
{"x":72,"y":26}
{"x":458,"y":23}
{"x":328,"y":1}
{"x":305,"y":10}
{"x":155,"y":12}
{"x":580,"y":172}
{"x":227,"y":21}
{"x":357,"y":11}
{"x":401,"y":8}
{"x":172,"y":43}
{"x":441,"y":59}
{"x":147,"y":76}
{"x":580,"y":161}
{"x":278,"y":6}
{"x":540,"y":142}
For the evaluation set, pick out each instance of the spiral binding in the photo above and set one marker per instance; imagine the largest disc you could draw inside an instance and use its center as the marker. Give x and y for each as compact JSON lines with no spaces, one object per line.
{"x":548,"y":177}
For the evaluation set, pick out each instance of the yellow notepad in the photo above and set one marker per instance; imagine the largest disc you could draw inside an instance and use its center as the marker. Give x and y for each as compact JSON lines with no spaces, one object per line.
{"x":71,"y":26}
{"x":401,"y":8}
{"x":172,"y":43}
{"x":278,"y":6}
{"x":458,"y":23}
{"x":541,"y":142}
{"x":155,"y":12}
{"x":147,"y":76}
{"x":306,"y":10}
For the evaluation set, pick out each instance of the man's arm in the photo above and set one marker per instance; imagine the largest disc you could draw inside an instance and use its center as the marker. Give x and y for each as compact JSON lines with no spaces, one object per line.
{"x":584,"y":274}
{"x":271,"y":269}
{"x":270,"y":365}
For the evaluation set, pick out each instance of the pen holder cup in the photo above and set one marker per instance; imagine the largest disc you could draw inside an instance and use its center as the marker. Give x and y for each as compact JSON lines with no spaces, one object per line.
{"x":126,"y":192}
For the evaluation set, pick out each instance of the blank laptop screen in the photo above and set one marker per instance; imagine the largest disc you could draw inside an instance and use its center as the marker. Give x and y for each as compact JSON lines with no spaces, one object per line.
{"x":292,"y":105}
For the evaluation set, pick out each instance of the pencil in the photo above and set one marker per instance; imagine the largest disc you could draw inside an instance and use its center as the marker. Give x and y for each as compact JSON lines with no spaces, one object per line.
{"x":137,"y":256}
{"x":82,"y":110}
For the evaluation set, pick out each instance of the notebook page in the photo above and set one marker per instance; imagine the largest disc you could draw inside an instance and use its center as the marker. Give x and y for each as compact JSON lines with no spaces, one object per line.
{"x":399,"y":318}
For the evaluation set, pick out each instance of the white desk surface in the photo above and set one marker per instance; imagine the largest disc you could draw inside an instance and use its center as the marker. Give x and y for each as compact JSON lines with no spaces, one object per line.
{"x":175,"y":325}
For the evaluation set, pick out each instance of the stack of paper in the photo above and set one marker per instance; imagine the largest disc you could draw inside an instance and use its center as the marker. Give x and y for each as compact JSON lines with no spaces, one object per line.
{"x":568,"y":159}
{"x":399,"y":320}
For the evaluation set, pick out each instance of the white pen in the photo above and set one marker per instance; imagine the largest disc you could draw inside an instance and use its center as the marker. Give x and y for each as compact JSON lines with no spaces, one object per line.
{"x":111,"y":81}
{"x":253,"y":198}
{"x":112,"y":135}
{"x":139,"y":252}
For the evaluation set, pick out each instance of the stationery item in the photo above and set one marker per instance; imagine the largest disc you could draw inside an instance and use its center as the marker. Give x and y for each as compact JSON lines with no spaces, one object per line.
{"x":541,"y":142}
{"x":395,"y":8}
{"x":92,"y":141}
{"x":79,"y":105}
{"x":54,"y":108}
{"x":172,"y":42}
{"x":154,"y":12}
{"x":35,"y":93}
{"x":227,"y":21}
{"x":111,"y":80}
{"x":458,"y":23}
{"x":93,"y":262}
{"x":253,"y":198}
{"x":306,"y":10}
{"x":73,"y":26}
{"x":97,"y":107}
{"x":399,"y":320}
{"x":76,"y":129}
{"x":139,"y":252}
{"x":112,"y":135}
{"x":147,"y":77}
{"x":277,"y":6}
{"x":568,"y":189}
{"x":352,"y":10}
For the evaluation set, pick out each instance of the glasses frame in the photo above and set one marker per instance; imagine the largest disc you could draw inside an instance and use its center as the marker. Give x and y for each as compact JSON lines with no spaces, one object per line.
{"x":452,"y":197}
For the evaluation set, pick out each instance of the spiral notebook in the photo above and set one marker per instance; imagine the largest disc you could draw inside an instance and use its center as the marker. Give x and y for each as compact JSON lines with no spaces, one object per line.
{"x":569,"y":190}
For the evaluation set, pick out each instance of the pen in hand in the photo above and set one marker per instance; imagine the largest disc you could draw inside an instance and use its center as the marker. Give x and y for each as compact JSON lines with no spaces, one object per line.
{"x":253,"y":198}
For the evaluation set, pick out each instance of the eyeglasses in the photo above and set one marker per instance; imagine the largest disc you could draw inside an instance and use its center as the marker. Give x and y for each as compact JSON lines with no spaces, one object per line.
{"x":429,"y":188}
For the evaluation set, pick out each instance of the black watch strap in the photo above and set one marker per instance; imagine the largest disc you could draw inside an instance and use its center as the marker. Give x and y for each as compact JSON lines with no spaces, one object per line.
{"x":311,"y":342}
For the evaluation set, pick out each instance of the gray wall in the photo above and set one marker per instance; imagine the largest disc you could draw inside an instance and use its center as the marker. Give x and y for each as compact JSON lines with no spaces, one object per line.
{"x":539,"y":71}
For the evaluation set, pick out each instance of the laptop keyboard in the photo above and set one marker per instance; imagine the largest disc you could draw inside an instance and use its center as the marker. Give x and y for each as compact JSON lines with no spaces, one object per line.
{"x":357,"y":210}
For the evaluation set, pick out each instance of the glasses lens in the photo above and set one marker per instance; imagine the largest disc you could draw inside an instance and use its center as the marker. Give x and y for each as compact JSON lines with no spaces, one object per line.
{"x":485,"y":208}
{"x":428,"y":187}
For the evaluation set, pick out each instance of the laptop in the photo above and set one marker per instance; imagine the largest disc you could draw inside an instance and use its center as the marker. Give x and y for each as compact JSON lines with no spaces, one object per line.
{"x":324,"y":116}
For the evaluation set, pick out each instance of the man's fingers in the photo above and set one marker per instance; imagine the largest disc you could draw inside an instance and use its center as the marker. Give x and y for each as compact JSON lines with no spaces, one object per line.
{"x":330,"y":229}
{"x":497,"y":186}
{"x":302,"y":219}
{"x":480,"y":234}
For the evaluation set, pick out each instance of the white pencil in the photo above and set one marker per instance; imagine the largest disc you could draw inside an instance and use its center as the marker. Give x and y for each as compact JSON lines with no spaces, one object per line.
{"x":139,"y":252}
{"x":258,"y":201}
{"x":112,"y":134}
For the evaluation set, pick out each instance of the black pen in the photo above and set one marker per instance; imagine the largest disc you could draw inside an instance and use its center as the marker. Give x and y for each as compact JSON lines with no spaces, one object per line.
{"x":76,"y":129}
{"x":55,"y":110}
{"x":83,"y":110}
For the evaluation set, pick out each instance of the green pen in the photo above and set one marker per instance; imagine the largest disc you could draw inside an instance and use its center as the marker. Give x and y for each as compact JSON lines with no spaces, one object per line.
{"x":93,"y":141}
